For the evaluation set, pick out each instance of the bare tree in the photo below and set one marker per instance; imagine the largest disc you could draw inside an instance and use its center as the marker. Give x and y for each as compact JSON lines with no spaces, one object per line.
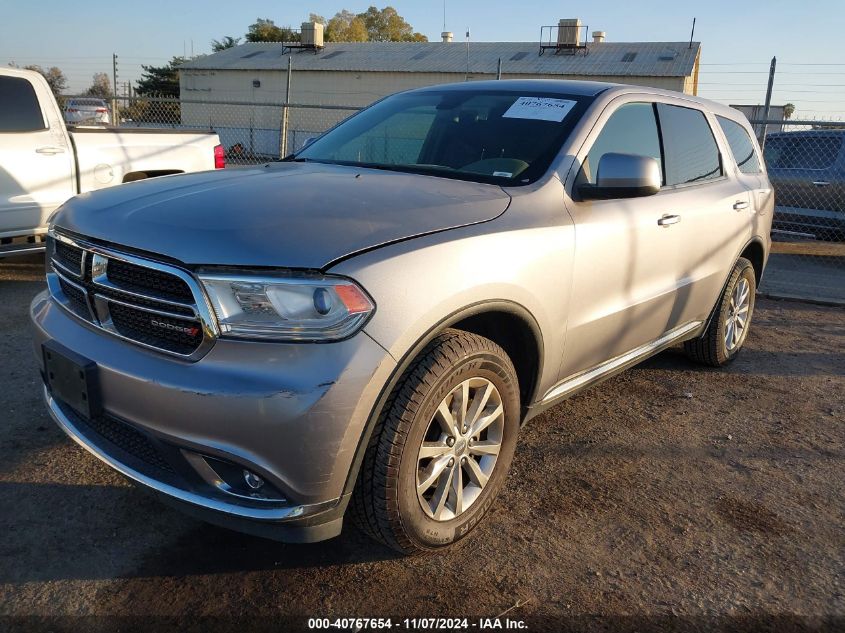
{"x":54,"y":76}
{"x":100,"y":87}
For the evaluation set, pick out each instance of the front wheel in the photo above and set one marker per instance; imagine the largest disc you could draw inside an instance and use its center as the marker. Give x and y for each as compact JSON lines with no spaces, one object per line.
{"x":728,"y":328}
{"x":442,"y":447}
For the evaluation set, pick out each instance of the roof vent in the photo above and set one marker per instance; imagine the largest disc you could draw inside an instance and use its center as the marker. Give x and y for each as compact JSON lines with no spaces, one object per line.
{"x":598,"y":37}
{"x":447,"y":36}
{"x":629,"y":57}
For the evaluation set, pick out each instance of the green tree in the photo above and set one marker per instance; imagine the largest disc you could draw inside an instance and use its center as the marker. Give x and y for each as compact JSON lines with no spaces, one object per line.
{"x":227,"y":42}
{"x":264,"y":30}
{"x":788,"y":110}
{"x":386,"y":25}
{"x":161,"y":81}
{"x":100,"y":87}
{"x":54,"y":76}
{"x":345,"y":26}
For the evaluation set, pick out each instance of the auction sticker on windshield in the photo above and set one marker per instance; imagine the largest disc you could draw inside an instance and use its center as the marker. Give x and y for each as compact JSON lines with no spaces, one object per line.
{"x":539,"y":108}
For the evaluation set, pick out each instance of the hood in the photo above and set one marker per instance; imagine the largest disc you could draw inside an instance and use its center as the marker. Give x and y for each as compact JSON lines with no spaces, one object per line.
{"x":297,"y":215}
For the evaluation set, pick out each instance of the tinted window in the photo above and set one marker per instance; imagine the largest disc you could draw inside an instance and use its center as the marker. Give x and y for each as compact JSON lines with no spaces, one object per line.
{"x":802,"y":151}
{"x":19,"y":109}
{"x":632,"y":129}
{"x":99,"y":103}
{"x":691,"y":151}
{"x":489,"y":136}
{"x":741,"y":146}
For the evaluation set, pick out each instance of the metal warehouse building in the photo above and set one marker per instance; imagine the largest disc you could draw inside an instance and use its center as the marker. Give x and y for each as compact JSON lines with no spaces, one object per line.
{"x":357,"y":73}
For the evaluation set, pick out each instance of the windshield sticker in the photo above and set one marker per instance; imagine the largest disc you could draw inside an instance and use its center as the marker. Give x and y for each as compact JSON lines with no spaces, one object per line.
{"x":503,"y":174}
{"x":539,"y":108}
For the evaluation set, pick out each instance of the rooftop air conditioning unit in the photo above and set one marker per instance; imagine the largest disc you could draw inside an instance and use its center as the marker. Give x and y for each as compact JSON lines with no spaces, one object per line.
{"x":311,"y":35}
{"x":569,"y":33}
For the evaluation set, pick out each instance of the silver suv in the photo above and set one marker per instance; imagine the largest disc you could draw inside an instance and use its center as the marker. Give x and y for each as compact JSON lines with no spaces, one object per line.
{"x":364,"y":326}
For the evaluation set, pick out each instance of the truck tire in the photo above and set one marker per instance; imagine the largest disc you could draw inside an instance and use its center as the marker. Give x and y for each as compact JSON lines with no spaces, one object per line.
{"x":442,"y":446}
{"x":728,"y":329}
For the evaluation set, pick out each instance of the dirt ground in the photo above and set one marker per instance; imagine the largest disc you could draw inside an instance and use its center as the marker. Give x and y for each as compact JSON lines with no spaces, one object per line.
{"x":668,"y":498}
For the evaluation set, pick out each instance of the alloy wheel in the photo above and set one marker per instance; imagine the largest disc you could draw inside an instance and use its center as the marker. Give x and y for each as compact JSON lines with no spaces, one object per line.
{"x":460,"y":448}
{"x":736,"y":321}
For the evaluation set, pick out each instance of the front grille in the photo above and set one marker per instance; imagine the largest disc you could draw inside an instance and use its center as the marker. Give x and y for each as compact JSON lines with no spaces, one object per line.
{"x":181,"y":336}
{"x":76,"y":299}
{"x":153,"y":304}
{"x":129,"y":440}
{"x":149,"y":281}
{"x":119,"y":434}
{"x":68,"y":256}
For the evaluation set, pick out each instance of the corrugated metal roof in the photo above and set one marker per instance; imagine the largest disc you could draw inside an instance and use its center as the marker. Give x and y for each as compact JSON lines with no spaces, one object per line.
{"x":604,"y":59}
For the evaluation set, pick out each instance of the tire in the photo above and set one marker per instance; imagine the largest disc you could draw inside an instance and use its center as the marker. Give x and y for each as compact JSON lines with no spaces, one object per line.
{"x":713,"y":347}
{"x":454,"y":367}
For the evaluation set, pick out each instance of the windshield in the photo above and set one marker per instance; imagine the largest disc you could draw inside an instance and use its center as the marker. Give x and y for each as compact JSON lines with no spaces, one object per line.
{"x":502,"y":137}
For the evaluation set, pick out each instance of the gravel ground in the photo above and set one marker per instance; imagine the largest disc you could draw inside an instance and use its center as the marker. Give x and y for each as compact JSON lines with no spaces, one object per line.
{"x":668,"y":498}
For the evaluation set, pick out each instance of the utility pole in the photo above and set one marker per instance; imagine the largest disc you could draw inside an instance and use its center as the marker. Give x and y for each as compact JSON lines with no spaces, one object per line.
{"x":114,"y":89}
{"x":499,"y":69}
{"x":768,"y":102}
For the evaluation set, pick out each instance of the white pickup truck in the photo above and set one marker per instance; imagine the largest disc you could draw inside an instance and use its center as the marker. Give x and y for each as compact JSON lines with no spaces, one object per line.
{"x":43,"y":163}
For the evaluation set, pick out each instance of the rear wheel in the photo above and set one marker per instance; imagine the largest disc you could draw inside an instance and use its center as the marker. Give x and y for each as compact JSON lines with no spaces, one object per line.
{"x":728,"y":328}
{"x":442,"y":447}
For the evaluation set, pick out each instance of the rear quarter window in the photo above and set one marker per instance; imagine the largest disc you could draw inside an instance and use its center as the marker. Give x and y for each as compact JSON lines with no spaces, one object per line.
{"x":741,"y":146}
{"x":690,"y":151}
{"x":19,"y":107}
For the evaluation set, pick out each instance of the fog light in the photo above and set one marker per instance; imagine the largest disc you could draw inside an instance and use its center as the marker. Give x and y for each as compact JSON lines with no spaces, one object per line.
{"x":252,"y":480}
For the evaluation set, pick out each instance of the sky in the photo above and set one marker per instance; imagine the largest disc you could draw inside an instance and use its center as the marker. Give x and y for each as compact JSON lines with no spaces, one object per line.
{"x":738,"y":38}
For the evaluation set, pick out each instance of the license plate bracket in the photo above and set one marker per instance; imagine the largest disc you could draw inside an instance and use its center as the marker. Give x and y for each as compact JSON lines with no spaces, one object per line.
{"x":72,"y":379}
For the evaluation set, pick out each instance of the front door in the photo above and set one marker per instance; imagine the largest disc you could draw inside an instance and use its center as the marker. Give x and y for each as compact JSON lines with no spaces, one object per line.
{"x":625,"y":266}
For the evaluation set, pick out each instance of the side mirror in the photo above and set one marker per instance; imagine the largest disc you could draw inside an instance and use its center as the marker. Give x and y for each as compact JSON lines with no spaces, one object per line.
{"x":623,"y":176}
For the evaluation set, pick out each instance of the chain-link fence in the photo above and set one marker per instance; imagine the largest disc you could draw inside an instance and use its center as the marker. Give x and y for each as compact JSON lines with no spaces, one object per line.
{"x":806,"y":164}
{"x":250,"y":132}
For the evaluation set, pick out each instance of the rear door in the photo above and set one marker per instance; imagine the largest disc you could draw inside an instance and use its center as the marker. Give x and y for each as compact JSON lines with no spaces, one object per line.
{"x":714,"y":207}
{"x":36,"y":170}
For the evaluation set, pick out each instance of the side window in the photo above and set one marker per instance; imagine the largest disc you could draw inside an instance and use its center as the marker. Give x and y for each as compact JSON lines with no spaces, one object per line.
{"x":691,"y":151}
{"x":741,"y":146}
{"x":632,"y":129}
{"x":19,"y":108}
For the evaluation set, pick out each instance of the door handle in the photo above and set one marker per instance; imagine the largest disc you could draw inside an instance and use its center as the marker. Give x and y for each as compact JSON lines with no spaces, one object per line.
{"x":821,"y":183}
{"x":666,"y":220}
{"x":50,"y":150}
{"x":739,"y":205}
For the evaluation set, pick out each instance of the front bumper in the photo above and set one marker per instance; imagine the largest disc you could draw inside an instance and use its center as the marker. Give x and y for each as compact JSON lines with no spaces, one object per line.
{"x":292,"y":413}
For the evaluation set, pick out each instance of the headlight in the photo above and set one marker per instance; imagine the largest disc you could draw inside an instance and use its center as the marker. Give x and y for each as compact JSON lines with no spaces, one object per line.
{"x":287,"y":307}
